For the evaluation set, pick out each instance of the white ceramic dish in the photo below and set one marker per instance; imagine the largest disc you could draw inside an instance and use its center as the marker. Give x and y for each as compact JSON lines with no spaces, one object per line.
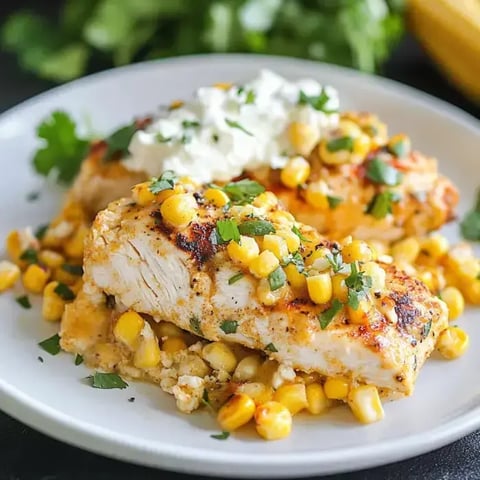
{"x":52,"y":396}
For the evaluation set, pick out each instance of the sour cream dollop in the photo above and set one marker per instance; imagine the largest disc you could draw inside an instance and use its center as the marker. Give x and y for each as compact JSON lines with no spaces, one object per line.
{"x":222,"y":132}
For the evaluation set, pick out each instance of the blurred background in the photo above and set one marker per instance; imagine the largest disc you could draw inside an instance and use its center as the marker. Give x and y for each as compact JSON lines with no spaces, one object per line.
{"x":431,"y":44}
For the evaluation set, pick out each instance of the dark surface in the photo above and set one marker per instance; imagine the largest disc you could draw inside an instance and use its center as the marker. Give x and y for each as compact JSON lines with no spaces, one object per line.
{"x":26,"y":454}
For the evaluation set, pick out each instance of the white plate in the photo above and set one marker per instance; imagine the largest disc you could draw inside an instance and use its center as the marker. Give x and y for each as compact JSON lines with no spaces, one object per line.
{"x":52,"y":396}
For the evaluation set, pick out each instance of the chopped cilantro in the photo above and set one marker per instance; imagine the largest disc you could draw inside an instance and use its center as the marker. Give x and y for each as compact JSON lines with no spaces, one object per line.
{"x":380,"y":172}
{"x":64,"y":292}
{"x":78,"y":359}
{"x":341,"y":143}
{"x":30,"y":256}
{"x":190,"y":124}
{"x":256,"y":227}
{"x":271,"y":348}
{"x":401,"y":148}
{"x":234,"y":124}
{"x":160,"y":138}
{"x":328,"y":315}
{"x":51,"y":345}
{"x":227,"y":230}
{"x":165,"y":182}
{"x":358,"y":284}
{"x":470,"y":225}
{"x":426,"y":329}
{"x":235,"y":278}
{"x":220,"y":436}
{"x":334,"y":201}
{"x":118,"y":142}
{"x":318,"y":102}
{"x":297,"y":232}
{"x":244,"y":191}
{"x":277,"y":279}
{"x":41,"y":231}
{"x":335,"y":259}
{"x":251,"y":97}
{"x":229,"y":326}
{"x":381,"y":204}
{"x":73,"y":269}
{"x":297,"y":260}
{"x":24,"y":302}
{"x":107,"y":381}
{"x":195,"y":325}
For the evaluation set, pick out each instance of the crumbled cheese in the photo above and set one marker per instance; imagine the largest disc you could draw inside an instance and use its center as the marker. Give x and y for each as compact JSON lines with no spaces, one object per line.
{"x":188,"y":392}
{"x":283,"y":374}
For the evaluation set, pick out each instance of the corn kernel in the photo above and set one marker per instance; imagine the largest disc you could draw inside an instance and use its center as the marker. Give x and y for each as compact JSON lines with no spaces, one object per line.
{"x":216,"y":196}
{"x":128,"y":328}
{"x":9,"y":274}
{"x":361,"y":146}
{"x":266,"y":200}
{"x":17,"y":242}
{"x":454,"y":300}
{"x":435,"y":245}
{"x":282,"y":217}
{"x":223,"y":85}
{"x":74,"y":245}
{"x":13,"y":246}
{"x":318,"y":259}
{"x":53,"y":305}
{"x":273,"y":421}
{"x":303,"y":137}
{"x":142,"y":195}
{"x":257,"y":391}
{"x":426,"y":277}
{"x":264,"y":264}
{"x":377,"y":274}
{"x":365,"y":404}
{"x":243,"y":252}
{"x":339,"y":289}
{"x":179,"y":209}
{"x":219,"y":356}
{"x":275,"y":244}
{"x":238,"y":411}
{"x":357,"y":251}
{"x":293,"y":396}
{"x":453,"y":342}
{"x":176,"y":104}
{"x":147,"y":354}
{"x":406,"y":250}
{"x":317,"y":401}
{"x":472,"y":292}
{"x":166,"y":329}
{"x":292,"y":239}
{"x":265,"y":294}
{"x":51,"y":259}
{"x":360,"y":315}
{"x":77,"y":286}
{"x":247,"y":368}
{"x":164,"y":194}
{"x":35,"y":278}
{"x":297,"y":280}
{"x":173,"y":345}
{"x":320,"y":288}
{"x":316,"y":195}
{"x":336,"y":388}
{"x":400,"y":145}
{"x":295,"y":172}
{"x":62,"y":276}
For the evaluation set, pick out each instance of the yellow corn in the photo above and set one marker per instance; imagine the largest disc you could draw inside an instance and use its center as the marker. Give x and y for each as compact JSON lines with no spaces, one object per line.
{"x":35,"y":278}
{"x":173,"y":345}
{"x":9,"y":274}
{"x":297,"y":280}
{"x":216,"y":196}
{"x":275,"y":244}
{"x":400,"y":145}
{"x":13,"y":245}
{"x":336,"y":388}
{"x":426,"y":276}
{"x":472,"y":292}
{"x":166,"y":329}
{"x":361,"y":315}
{"x":454,"y":300}
{"x":406,"y":250}
{"x":319,"y":254}
{"x":247,"y":368}
{"x":179,"y":209}
{"x":303,"y":137}
{"x":453,"y":342}
{"x":257,"y":391}
{"x":339,"y":289}
{"x":316,"y":195}
{"x":365,"y":403}
{"x":292,"y":239}
{"x":238,"y":411}
{"x":128,"y":328}
{"x":283,"y":218}
{"x":317,"y":401}
{"x":377,"y":274}
{"x":77,"y":286}
{"x":293,"y":396}
{"x":142,"y":195}
{"x":295,"y":172}
{"x":164,"y":194}
{"x":62,"y":276}
{"x":273,"y":421}
{"x":53,"y":305}
{"x":265,"y":294}
{"x":320,"y":288}
{"x":17,"y":242}
{"x":357,"y":251}
{"x":264,"y":264}
{"x":266,"y":200}
{"x":223,"y":85}
{"x":435,"y":246}
{"x":147,"y":354}
{"x":51,"y":259}
{"x":74,"y":245}
{"x":176,"y":104}
{"x":243,"y":252}
{"x":219,"y":356}
{"x":187,"y":184}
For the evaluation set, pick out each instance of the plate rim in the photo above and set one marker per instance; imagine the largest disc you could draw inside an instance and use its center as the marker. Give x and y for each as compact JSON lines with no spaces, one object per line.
{"x":203,"y":460}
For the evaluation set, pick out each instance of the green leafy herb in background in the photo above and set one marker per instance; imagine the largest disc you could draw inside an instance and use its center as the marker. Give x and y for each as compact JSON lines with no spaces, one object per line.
{"x":93,"y":34}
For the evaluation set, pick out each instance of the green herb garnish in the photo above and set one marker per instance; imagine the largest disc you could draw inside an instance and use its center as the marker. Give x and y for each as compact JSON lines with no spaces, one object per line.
{"x":271,"y":348}
{"x":426,"y":329}
{"x":73,"y":269}
{"x":277,"y":279}
{"x":64,"y":292}
{"x":335,"y":259}
{"x":297,"y":232}
{"x":318,"y":102}
{"x":401,"y":148}
{"x":165,"y":182}
{"x":160,"y":138}
{"x":470,"y":225}
{"x":229,"y":326}
{"x":328,"y":315}
{"x":358,"y":285}
{"x":195,"y":325}
{"x":256,"y":227}
{"x":297,"y":260}
{"x":334,"y":201}
{"x":107,"y":381}
{"x":24,"y":302}
{"x":227,"y":230}
{"x":78,"y":359}
{"x":235,"y":278}
{"x":30,"y":256}
{"x":341,"y":143}
{"x":244,"y":191}
{"x":221,"y":436}
{"x":380,"y":172}
{"x":190,"y":124}
{"x":41,"y":231}
{"x":234,"y":124}
{"x":250,"y":97}
{"x":51,"y":345}
{"x":118,"y":142}
{"x":381,"y":204}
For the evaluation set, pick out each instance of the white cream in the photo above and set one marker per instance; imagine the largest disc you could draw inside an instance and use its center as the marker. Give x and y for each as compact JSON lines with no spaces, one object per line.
{"x":232,"y":135}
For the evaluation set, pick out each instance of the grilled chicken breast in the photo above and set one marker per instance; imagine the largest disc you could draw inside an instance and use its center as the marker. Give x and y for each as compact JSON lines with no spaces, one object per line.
{"x":184,"y":274}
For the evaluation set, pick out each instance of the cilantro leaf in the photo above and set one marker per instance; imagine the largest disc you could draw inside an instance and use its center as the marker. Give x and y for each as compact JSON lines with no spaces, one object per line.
{"x":118,"y":142}
{"x":328,"y":315}
{"x":227,"y":230}
{"x":381,"y":204}
{"x":297,"y":232}
{"x":358,"y":285}
{"x":229,"y":326}
{"x":107,"y":381}
{"x":380,"y":172}
{"x":271,"y":348}
{"x":470,"y":225}
{"x":24,"y":302}
{"x":30,"y":255}
{"x":234,"y":124}
{"x":78,"y":359}
{"x":73,"y":269}
{"x":235,"y":278}
{"x":64,"y":292}
{"x":244,"y":191}
{"x":195,"y":325}
{"x":277,"y":279}
{"x":297,"y":260}
{"x":335,"y":259}
{"x":341,"y":143}
{"x":256,"y":227}
{"x":426,"y":328}
{"x":251,"y":97}
{"x":221,"y":436}
{"x":62,"y":150}
{"x":165,"y":182}
{"x":190,"y":124}
{"x":318,"y":102}
{"x":401,"y":148}
{"x":334,"y":201}
{"x":40,"y":231}
{"x":51,"y":345}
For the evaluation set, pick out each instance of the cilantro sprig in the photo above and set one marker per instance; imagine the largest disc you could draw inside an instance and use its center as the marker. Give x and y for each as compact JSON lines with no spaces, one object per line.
{"x":165,"y":182}
{"x":470,"y":225}
{"x":244,"y":191}
{"x":358,"y":285}
{"x":382,"y":173}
